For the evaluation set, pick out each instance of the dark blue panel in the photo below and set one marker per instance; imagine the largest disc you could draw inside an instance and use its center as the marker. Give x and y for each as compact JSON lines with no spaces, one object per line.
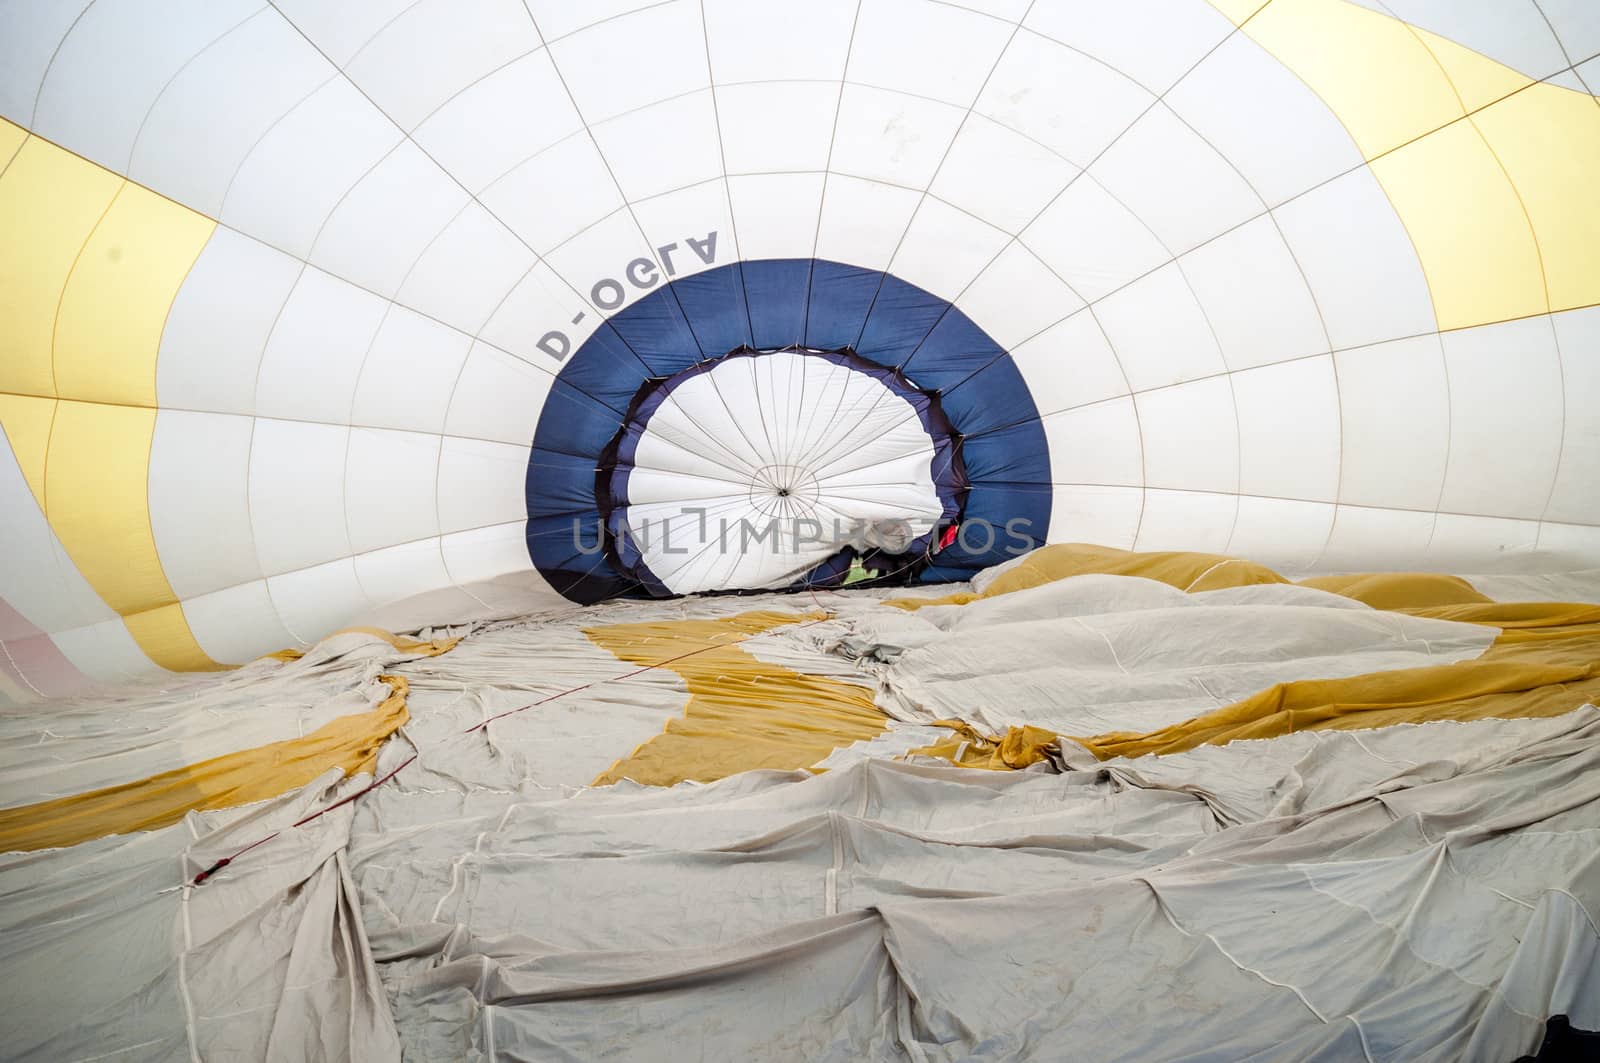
{"x":840,"y":298}
{"x":775,"y":290}
{"x":832,"y":306}
{"x":658,"y":334}
{"x":901,"y":317}
{"x":714,"y":304}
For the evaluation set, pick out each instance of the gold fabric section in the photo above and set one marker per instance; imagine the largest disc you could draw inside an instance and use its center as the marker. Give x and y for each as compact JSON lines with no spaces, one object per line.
{"x":89,"y":266}
{"x":1515,"y":678}
{"x":742,"y":712}
{"x":1184,"y":570}
{"x":1491,"y":173}
{"x":1545,"y":661}
{"x":349,"y":743}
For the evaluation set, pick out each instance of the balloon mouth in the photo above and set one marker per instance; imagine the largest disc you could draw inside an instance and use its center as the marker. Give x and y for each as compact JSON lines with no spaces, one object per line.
{"x":778,"y":468}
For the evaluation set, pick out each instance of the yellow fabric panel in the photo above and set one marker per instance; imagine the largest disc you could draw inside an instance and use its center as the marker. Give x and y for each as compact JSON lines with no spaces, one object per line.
{"x":89,"y":266}
{"x":1016,"y":749}
{"x":1374,"y":73}
{"x":108,"y":330}
{"x":50,"y":201}
{"x":1513,"y":679}
{"x":1548,"y":140}
{"x":742,"y":713}
{"x":1476,"y":79}
{"x":1183,"y":569}
{"x":350,"y":743}
{"x":1500,"y":206}
{"x":164,"y":635}
{"x":1399,"y":590}
{"x":26,"y":420}
{"x":96,"y":500}
{"x":1470,"y":231}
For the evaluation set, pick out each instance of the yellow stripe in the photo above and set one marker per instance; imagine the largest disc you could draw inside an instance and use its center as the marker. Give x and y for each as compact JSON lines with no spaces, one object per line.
{"x":742,"y":713}
{"x":1545,"y":661}
{"x":350,"y":743}
{"x":1492,"y":174}
{"x":89,"y":266}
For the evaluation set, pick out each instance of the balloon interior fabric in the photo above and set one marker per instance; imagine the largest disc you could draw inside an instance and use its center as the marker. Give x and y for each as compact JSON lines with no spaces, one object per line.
{"x":856,"y":529}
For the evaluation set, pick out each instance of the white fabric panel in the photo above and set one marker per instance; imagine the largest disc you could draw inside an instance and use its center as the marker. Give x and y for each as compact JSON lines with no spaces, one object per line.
{"x":1505,"y":418}
{"x":771,"y":40}
{"x":1458,"y":538}
{"x":409,"y":370}
{"x":1361,"y":535}
{"x":314,"y":601}
{"x":1513,"y":33}
{"x":1264,"y":120}
{"x":30,"y":33}
{"x":484,"y":554}
{"x":1577,"y":24}
{"x":932,"y":50}
{"x":1016,"y":297}
{"x":237,"y":624}
{"x":104,"y":651}
{"x":557,"y":18}
{"x":614,"y":67}
{"x":497,"y":397}
{"x":226,"y":98}
{"x":380,"y":229}
{"x":1089,"y":514}
{"x":134,"y":48}
{"x":889,"y":136}
{"x":200,"y":500}
{"x":295,"y":175}
{"x":1358,"y":260}
{"x":1069,"y":364}
{"x":217,"y":329}
{"x":1289,"y":430}
{"x":388,"y":477}
{"x":1254,"y":296}
{"x":661,"y":147}
{"x":1098,"y":444}
{"x":1000,"y":175}
{"x":776,"y":214}
{"x":314,"y":356}
{"x":1154,"y":42}
{"x":1191,"y":436}
{"x":297,"y":497}
{"x":1576,"y":497}
{"x":780,"y":125}
{"x":1062,"y":98}
{"x":1569,"y":547}
{"x":531,"y":112}
{"x":468,"y":269}
{"x":944,"y":249}
{"x":1174,"y":182}
{"x":1159,"y":332}
{"x":400,"y":572}
{"x":862,"y":221}
{"x":1187,"y":520}
{"x":700,"y":212}
{"x":1093,"y":242}
{"x":1285,"y":535}
{"x":480,"y":484}
{"x":464,"y":40}
{"x":540,"y":303}
{"x":39,"y":580}
{"x":603,"y":251}
{"x":1394,"y":399}
{"x":341,"y":30}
